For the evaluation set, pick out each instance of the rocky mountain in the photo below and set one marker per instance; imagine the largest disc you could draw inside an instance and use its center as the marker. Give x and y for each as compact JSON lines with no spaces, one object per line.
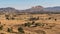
{"x":40,"y":9}
{"x":35,"y":9}
{"x":54,"y":9}
{"x":8,"y":10}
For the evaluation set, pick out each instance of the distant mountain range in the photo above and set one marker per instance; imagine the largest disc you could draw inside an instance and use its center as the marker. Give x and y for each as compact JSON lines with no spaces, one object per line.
{"x":35,"y":9}
{"x":53,"y":9}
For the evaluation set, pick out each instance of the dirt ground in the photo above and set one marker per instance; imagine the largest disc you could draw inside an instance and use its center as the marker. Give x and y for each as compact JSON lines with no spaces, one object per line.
{"x":51,"y":23}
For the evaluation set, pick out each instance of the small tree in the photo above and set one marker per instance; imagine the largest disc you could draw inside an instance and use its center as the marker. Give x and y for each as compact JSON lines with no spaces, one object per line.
{"x":20,"y":29}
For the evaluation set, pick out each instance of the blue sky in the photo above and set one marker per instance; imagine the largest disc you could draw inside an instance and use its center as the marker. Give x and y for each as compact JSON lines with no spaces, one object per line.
{"x":25,"y":4}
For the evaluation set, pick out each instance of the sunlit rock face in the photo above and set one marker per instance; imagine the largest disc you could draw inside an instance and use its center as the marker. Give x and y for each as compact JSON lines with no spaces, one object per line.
{"x":37,"y":8}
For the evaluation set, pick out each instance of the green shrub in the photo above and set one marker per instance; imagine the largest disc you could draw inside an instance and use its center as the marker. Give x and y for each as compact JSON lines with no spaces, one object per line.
{"x":6,"y":15}
{"x":9,"y":30}
{"x":33,"y":22}
{"x":39,"y":24}
{"x":33,"y":18}
{"x":55,"y":19}
{"x":49,"y":18}
{"x":12,"y":18}
{"x":1,"y":27}
{"x":27,"y":24}
{"x":7,"y":18}
{"x":20,"y":29}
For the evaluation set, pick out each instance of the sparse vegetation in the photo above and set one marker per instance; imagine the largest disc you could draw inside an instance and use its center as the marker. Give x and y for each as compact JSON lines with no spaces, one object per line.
{"x":12,"y":18}
{"x":1,"y":27}
{"x":30,"y":21}
{"x":20,"y":29}
{"x":39,"y":24}
{"x":9,"y":30}
{"x":2,"y":33}
{"x":55,"y":19}
{"x":40,"y":32}
{"x":7,"y":18}
{"x":6,"y":15}
{"x":28,"y":24}
{"x":34,"y":18}
{"x":35,"y":24}
{"x":49,"y":18}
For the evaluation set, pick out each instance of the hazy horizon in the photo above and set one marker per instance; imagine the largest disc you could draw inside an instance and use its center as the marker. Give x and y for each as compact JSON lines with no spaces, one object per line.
{"x":25,"y":4}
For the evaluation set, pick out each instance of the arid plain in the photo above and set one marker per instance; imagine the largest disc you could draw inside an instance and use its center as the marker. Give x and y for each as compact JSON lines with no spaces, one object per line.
{"x":30,"y":24}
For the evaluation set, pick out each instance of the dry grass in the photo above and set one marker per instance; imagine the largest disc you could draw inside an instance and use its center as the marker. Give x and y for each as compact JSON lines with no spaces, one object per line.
{"x":21,"y":19}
